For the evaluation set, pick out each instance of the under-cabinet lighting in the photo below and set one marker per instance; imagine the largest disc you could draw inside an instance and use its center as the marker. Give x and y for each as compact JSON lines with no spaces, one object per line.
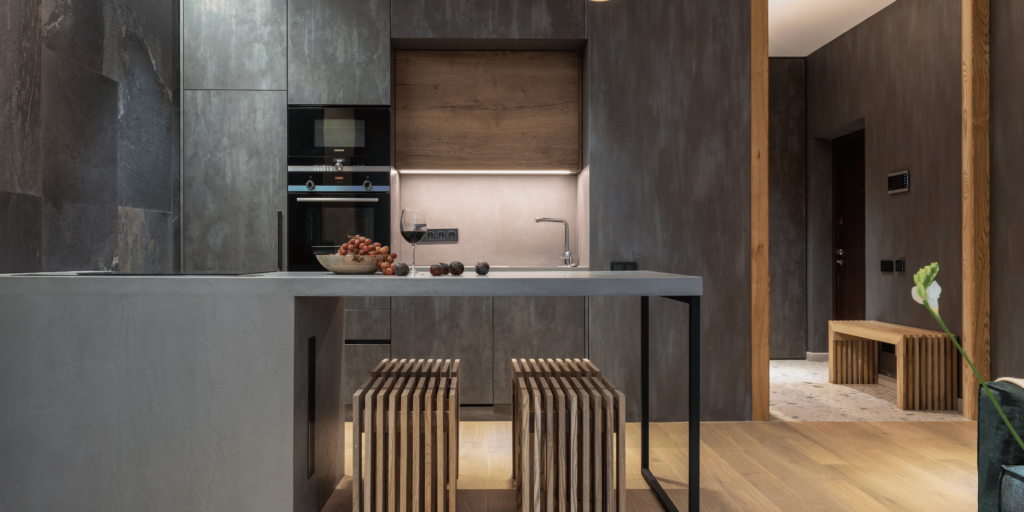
{"x":438,"y":171}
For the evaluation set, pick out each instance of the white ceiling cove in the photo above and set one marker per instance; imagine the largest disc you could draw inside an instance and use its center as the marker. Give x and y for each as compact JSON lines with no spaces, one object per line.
{"x":796,"y":28}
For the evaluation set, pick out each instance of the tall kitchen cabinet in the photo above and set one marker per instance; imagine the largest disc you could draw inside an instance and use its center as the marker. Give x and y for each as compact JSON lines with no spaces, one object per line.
{"x":234,"y":134}
{"x":339,"y":52}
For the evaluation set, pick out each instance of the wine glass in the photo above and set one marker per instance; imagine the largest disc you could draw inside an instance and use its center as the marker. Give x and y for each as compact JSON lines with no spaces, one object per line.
{"x":414,"y":228}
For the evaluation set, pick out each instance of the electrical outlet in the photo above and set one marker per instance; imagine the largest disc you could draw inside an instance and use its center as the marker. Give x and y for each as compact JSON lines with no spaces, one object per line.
{"x":441,"y":236}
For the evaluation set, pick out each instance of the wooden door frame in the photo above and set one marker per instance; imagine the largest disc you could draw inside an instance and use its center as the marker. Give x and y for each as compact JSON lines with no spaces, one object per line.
{"x":976,"y":130}
{"x":760,"y":321}
{"x":975,"y":140}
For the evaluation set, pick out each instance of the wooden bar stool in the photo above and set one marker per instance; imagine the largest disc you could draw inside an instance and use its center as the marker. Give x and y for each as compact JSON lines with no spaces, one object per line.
{"x":405,"y":437}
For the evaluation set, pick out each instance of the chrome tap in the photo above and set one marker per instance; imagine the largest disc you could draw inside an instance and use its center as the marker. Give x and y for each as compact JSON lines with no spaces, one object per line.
{"x":568,"y":255}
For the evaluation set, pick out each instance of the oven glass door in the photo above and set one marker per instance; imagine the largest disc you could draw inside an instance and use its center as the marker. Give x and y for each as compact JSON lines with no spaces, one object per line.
{"x":321,"y":223}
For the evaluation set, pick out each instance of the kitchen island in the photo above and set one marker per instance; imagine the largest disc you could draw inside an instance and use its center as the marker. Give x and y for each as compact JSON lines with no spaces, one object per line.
{"x":192,"y":392}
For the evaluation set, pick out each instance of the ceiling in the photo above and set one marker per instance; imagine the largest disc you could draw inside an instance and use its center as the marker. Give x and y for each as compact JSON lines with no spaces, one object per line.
{"x":796,"y":28}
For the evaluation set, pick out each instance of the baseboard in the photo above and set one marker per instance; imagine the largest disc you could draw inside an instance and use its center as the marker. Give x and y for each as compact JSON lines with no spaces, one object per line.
{"x":817,"y":357}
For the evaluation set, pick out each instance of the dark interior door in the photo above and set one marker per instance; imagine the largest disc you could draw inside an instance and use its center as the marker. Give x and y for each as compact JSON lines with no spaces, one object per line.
{"x":848,"y":264}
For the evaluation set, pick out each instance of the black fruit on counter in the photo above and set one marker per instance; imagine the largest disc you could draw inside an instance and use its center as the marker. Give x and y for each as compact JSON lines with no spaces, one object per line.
{"x":445,"y":268}
{"x":456,"y":268}
{"x":483,"y":268}
{"x":401,"y":269}
{"x":436,"y":270}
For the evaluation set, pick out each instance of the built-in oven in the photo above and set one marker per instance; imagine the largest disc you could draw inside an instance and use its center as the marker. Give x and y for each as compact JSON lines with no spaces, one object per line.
{"x":339,"y":180}
{"x":326,"y":207}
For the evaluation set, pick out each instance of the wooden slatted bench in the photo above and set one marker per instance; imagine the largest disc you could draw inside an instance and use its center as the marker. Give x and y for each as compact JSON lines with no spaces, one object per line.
{"x":568,"y":437}
{"x":926,"y":361}
{"x":405,"y":437}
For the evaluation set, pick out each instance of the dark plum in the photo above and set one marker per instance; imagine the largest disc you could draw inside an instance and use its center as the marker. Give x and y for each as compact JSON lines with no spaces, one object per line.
{"x":401,"y":269}
{"x":456,"y":268}
{"x":483,"y":268}
{"x":436,"y":270}
{"x":445,"y":268}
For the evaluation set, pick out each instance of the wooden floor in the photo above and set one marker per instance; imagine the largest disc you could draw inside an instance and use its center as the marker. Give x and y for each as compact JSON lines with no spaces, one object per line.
{"x":839,"y":466}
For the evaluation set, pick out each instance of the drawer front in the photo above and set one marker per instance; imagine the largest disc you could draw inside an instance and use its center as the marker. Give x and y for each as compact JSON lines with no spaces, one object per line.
{"x":369,"y":324}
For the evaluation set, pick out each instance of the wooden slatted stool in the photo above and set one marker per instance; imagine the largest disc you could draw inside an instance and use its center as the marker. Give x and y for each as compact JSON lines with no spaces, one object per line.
{"x":568,"y":437}
{"x":405,"y":437}
{"x":926,"y":361}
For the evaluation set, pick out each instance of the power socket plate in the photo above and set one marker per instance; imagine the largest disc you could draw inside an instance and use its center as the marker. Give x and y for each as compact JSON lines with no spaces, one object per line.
{"x":441,"y":236}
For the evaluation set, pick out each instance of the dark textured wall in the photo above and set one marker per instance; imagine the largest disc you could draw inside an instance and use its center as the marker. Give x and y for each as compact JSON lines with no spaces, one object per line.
{"x":669,"y":139}
{"x":1007,"y":188}
{"x":787,"y":207}
{"x":88,"y":124}
{"x":488,"y":19}
{"x":899,"y":71}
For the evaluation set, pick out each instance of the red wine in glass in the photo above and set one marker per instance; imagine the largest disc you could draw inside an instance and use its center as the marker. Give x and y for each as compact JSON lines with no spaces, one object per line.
{"x":413,"y":237}
{"x":414,"y":229}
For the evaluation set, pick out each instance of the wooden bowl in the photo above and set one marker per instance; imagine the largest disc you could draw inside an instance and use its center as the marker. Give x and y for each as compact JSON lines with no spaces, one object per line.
{"x":350,"y":263}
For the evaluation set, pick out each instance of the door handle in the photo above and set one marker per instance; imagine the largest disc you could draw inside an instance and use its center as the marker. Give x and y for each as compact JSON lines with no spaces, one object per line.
{"x":337,"y":200}
{"x":839,"y":252}
{"x":839,"y":262}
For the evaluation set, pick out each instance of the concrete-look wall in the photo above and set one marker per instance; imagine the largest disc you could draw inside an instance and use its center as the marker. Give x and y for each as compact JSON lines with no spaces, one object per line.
{"x":787,"y":207}
{"x":669,"y":168}
{"x":899,"y":71}
{"x":89,"y":110}
{"x":1007,"y":187}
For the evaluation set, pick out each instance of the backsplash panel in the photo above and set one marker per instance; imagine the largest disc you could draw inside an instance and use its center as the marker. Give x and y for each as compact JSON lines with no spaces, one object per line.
{"x":495,"y":218}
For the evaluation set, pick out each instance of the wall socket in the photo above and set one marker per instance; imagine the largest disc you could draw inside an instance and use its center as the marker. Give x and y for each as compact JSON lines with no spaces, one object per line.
{"x":441,"y":236}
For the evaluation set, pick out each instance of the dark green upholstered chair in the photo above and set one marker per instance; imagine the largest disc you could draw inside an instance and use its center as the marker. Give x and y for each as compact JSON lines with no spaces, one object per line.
{"x":996,"y":445}
{"x":1011,"y":489}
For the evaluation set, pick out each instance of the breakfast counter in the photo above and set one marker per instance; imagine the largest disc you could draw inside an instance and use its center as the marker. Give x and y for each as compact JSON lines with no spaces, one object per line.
{"x":191,"y":392}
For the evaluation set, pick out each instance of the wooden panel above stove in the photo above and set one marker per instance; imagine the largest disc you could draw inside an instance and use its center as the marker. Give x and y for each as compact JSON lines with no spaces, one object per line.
{"x":477,"y":110}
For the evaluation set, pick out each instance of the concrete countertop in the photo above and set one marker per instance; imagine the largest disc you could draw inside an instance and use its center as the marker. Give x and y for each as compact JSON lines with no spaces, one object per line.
{"x":547,"y":282}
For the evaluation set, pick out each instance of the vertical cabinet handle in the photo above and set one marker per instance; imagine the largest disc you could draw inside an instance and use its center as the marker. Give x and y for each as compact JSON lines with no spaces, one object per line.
{"x":280,"y":235}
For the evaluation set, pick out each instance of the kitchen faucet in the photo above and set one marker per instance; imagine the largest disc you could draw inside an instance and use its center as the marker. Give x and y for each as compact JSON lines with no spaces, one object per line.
{"x":568,"y":255}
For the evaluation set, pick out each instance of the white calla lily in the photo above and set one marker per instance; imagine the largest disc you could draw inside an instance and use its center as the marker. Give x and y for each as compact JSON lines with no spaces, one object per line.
{"x":934,"y":291}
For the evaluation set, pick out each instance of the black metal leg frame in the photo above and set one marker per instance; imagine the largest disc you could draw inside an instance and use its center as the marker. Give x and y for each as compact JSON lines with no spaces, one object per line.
{"x":694,"y":414}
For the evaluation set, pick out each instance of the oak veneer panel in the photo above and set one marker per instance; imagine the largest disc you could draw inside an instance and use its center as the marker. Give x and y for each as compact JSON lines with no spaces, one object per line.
{"x":464,"y":110}
{"x":759,"y":263}
{"x":976,"y":127}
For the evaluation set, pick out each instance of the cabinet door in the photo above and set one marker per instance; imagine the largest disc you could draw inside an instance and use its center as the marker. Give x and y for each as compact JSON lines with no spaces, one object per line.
{"x":535,"y":328}
{"x":360,"y":358}
{"x":234,"y":179}
{"x":339,"y":52}
{"x":452,"y":328}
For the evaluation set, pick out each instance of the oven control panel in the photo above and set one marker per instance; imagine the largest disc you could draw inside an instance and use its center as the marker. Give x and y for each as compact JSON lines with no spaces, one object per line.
{"x":333,"y":181}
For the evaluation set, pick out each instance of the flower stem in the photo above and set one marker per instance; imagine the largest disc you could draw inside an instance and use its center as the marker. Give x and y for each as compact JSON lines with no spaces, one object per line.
{"x":976,"y":373}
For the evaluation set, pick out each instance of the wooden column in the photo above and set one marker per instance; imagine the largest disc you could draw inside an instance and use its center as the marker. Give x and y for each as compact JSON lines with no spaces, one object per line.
{"x":976,"y":214}
{"x":760,"y":285}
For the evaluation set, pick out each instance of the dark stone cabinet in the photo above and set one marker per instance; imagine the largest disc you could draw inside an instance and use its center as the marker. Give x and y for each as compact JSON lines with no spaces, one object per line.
{"x":488,"y":19}
{"x":448,"y":327}
{"x":535,"y":327}
{"x":485,"y":332}
{"x":339,"y":52}
{"x":235,"y":44}
{"x":233,"y":187}
{"x":360,"y":358}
